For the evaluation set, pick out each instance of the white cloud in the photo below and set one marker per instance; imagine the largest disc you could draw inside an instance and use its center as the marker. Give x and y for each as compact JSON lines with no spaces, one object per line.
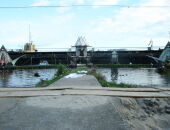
{"x":80,"y":1}
{"x":13,"y":33}
{"x":63,"y":18}
{"x":122,"y":27}
{"x":41,"y":3}
{"x":105,"y":2}
{"x":135,"y":24}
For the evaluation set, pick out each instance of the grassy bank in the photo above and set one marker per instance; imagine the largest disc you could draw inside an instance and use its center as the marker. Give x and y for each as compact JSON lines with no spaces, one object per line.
{"x":63,"y":71}
{"x":103,"y":81}
{"x":36,"y":67}
{"x":124,"y":65}
{"x":97,"y":65}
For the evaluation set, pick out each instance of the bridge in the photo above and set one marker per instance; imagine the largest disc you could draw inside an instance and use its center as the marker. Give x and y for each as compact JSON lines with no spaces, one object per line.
{"x":97,"y":57}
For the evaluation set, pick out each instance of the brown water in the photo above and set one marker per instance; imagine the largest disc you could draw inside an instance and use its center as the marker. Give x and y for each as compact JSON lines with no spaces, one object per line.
{"x":136,"y":76}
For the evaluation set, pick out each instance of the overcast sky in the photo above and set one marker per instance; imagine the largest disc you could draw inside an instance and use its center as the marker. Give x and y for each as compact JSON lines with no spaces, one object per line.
{"x":102,"y":26}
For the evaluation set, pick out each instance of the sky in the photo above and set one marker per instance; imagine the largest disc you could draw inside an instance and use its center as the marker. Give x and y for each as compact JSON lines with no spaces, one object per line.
{"x":108,"y":26}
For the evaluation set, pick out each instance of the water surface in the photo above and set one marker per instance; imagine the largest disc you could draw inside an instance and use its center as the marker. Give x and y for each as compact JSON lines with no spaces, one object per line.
{"x":25,"y":78}
{"x":136,"y":76}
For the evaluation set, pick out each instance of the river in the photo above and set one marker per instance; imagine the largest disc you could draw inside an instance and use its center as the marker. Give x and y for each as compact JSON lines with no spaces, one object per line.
{"x":25,"y":77}
{"x":148,"y":77}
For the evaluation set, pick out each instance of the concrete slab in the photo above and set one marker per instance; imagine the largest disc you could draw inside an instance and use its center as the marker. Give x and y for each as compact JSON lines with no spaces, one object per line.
{"x":117,"y":93}
{"x":119,"y":89}
{"x":164,"y":88}
{"x":29,"y":93}
{"x":33,"y":89}
{"x":83,"y":88}
{"x":86,"y":80}
{"x":61,"y":113}
{"x":75,"y":91}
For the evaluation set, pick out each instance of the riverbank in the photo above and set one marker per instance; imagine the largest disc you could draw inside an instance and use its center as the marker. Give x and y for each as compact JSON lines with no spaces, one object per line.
{"x":36,"y":67}
{"x":63,"y":71}
{"x":95,"y":65}
{"x":125,"y":65}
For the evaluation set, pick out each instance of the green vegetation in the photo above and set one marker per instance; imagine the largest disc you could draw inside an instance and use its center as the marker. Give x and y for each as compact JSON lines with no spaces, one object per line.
{"x":104,"y":83}
{"x":97,"y":65}
{"x":125,"y":65}
{"x":36,"y":67}
{"x":63,"y":71}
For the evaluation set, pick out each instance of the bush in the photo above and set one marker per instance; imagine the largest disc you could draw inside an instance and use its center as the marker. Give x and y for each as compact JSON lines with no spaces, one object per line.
{"x":62,"y":69}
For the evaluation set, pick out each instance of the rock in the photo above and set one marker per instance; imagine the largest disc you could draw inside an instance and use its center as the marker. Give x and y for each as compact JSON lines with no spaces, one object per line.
{"x":167,"y":109}
{"x":36,"y":74}
{"x":128,"y":103}
{"x":151,"y":102}
{"x":154,"y":128}
{"x":143,"y":117}
{"x":160,"y":110}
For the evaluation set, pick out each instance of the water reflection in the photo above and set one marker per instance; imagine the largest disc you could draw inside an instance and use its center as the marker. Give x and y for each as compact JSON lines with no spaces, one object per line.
{"x":24,"y":78}
{"x":4,"y":77}
{"x":114,"y":74}
{"x":136,"y":76}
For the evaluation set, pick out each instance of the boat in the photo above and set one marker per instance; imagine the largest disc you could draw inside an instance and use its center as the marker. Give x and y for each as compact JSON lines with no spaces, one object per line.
{"x":44,"y":62}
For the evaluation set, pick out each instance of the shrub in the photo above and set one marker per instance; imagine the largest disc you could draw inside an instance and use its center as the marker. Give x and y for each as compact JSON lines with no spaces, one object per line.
{"x":62,"y":69}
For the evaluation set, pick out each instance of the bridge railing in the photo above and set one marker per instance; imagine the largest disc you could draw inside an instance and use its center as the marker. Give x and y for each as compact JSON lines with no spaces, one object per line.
{"x":93,"y":49}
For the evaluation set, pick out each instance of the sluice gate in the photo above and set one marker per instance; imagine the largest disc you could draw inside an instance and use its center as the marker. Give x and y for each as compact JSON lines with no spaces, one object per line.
{"x":97,"y":57}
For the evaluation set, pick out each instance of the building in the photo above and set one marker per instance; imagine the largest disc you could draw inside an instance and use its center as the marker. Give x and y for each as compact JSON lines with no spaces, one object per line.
{"x":29,"y":47}
{"x":81,"y":47}
{"x":81,"y":56}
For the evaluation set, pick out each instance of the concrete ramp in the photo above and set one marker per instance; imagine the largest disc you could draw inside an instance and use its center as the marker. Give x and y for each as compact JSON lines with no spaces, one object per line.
{"x":60,"y":113}
{"x":86,"y":80}
{"x":82,"y":104}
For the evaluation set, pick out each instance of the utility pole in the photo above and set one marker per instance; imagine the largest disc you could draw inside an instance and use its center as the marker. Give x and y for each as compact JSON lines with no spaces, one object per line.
{"x":150,"y":45}
{"x":29,"y":37}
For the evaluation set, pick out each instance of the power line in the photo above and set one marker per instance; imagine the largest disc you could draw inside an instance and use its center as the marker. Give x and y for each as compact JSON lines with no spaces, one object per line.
{"x":67,"y":6}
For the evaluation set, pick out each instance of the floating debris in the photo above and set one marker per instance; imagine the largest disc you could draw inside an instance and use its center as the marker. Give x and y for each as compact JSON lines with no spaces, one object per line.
{"x":36,"y":74}
{"x":82,"y":72}
{"x":74,"y":75}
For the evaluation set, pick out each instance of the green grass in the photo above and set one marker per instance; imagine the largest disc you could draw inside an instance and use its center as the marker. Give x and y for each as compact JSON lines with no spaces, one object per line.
{"x":97,"y":65}
{"x":125,"y":65}
{"x":45,"y":83}
{"x":104,"y":83}
{"x":63,"y":71}
{"x":36,"y":67}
